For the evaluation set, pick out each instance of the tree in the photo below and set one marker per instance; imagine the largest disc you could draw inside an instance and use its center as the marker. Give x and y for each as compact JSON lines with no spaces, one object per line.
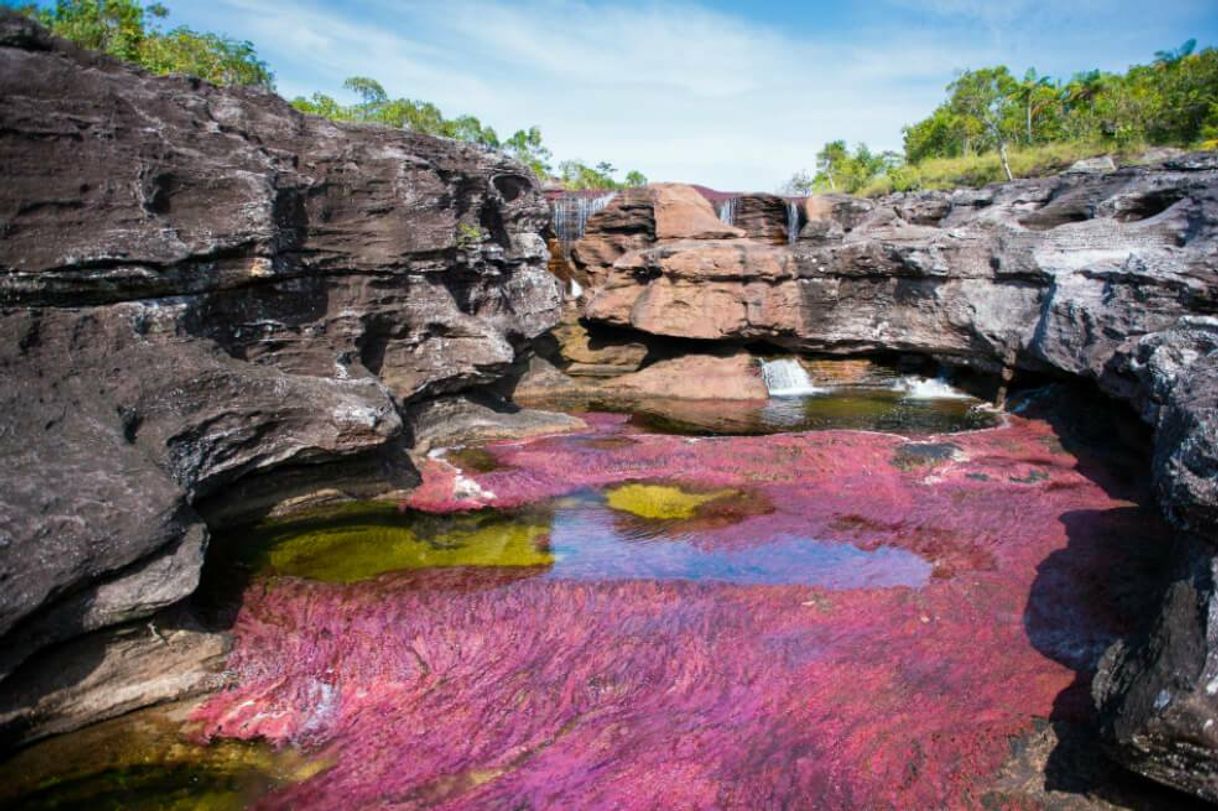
{"x":527,"y":147}
{"x":830,"y":161}
{"x":635,"y":178}
{"x":1028,"y":91}
{"x":1165,"y":60}
{"x":130,"y":31}
{"x":370,"y":90}
{"x":798,"y":185}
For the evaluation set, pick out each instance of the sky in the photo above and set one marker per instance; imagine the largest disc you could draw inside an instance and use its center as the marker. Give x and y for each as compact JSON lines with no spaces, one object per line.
{"x":733,"y":95}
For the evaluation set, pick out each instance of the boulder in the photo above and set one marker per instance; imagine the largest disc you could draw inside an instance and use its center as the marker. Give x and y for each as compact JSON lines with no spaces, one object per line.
{"x":681,"y":212}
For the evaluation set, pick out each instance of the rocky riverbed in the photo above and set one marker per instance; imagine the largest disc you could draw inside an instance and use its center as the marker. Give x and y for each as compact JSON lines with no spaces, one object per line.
{"x":224,"y":326}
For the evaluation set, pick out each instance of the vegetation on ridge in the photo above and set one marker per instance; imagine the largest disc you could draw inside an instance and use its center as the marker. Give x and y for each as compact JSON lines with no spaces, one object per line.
{"x":131,"y":31}
{"x":995,"y":125}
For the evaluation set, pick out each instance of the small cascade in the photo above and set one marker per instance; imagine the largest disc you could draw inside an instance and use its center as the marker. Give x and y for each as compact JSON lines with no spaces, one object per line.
{"x":925,"y":388}
{"x":787,"y":378}
{"x":727,"y":210}
{"x":571,"y":212}
{"x":792,"y":221}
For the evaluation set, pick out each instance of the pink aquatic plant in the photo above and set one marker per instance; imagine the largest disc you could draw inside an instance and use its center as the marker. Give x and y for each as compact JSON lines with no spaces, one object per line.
{"x":476,"y":688}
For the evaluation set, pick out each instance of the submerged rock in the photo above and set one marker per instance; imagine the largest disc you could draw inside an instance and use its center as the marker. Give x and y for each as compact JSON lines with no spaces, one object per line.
{"x":208,"y":296}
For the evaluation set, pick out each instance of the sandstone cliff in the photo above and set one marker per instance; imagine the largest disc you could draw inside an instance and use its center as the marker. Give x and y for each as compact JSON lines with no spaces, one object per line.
{"x":206,"y":297}
{"x":1108,"y":277}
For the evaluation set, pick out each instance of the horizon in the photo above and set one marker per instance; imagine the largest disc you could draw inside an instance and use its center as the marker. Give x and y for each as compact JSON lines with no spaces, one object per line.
{"x":696,"y":92}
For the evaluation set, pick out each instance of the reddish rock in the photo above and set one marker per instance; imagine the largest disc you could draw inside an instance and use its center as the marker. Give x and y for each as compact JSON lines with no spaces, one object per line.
{"x":715,"y":290}
{"x":696,"y":377}
{"x":681,"y":212}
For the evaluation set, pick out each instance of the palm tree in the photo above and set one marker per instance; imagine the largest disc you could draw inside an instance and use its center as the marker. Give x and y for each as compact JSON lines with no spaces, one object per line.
{"x":1165,"y":60}
{"x":1026,"y":91}
{"x":1085,"y":87}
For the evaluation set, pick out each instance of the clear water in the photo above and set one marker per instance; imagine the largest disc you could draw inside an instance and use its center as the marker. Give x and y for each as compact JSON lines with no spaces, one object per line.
{"x":634,"y":532}
{"x":863,"y":409}
{"x":589,"y":542}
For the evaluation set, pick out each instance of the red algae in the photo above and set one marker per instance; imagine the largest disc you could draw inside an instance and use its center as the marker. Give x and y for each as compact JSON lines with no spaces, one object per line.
{"x":469,"y":689}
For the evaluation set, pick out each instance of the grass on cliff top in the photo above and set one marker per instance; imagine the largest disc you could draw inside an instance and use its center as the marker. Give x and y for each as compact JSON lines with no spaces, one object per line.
{"x":980,"y":170}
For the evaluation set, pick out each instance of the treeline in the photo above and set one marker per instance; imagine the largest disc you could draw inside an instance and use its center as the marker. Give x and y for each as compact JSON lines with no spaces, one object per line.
{"x":132,"y":31}
{"x":376,"y":107}
{"x":994,"y":124}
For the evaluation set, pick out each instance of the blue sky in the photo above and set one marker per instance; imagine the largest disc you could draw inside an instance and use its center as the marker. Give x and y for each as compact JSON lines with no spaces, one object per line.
{"x":735,"y":95}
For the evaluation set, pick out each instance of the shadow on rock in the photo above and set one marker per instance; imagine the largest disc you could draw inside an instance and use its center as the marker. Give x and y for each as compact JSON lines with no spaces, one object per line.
{"x":1105,"y":585}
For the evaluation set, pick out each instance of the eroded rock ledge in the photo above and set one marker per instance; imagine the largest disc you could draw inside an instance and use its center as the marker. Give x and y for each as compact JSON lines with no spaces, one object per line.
{"x":202,"y":292}
{"x":1109,"y":277}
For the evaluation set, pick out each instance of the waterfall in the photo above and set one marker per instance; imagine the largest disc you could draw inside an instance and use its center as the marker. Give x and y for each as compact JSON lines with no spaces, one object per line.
{"x":924,"y":388}
{"x":792,"y":221}
{"x":787,"y":378}
{"x":571,"y":213}
{"x":727,"y":210}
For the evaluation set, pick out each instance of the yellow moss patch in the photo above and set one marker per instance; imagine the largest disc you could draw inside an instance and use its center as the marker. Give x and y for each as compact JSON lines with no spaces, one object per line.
{"x":659,"y":501}
{"x":356,"y":544}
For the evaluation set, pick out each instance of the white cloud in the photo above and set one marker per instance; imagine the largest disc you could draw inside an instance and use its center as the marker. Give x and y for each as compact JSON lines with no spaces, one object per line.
{"x":678,"y":91}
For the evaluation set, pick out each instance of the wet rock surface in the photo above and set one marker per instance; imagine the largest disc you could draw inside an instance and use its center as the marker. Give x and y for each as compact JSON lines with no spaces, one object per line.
{"x":1106,"y":276}
{"x":200,"y":288}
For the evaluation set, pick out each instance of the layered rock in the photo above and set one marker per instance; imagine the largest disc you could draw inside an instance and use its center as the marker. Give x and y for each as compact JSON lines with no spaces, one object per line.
{"x":1105,"y":276}
{"x":208,"y":295}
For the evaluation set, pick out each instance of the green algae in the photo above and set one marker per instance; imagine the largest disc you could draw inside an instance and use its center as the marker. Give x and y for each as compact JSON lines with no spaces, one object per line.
{"x":146,"y":760}
{"x":360,"y":541}
{"x":659,"y":502}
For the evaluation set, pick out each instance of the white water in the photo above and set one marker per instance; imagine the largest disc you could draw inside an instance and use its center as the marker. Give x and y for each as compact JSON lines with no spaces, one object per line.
{"x":792,"y":221}
{"x":924,"y":388}
{"x":727,"y":210}
{"x":786,"y":378}
{"x":571,"y":213}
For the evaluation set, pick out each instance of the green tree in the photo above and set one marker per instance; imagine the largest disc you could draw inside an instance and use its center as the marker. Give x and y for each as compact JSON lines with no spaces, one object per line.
{"x":830,"y":162}
{"x":527,"y":147}
{"x":1166,"y":60}
{"x":635,"y":178}
{"x":1032,"y":92}
{"x":130,"y":31}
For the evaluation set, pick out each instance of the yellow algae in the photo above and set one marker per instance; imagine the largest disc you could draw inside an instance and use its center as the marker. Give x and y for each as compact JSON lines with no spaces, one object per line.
{"x":660,"y":502}
{"x":145,"y":761}
{"x":354,"y":544}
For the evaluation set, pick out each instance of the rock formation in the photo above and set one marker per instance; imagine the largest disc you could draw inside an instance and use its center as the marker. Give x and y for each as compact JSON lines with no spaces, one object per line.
{"x":211,"y":302}
{"x":1109,"y":277}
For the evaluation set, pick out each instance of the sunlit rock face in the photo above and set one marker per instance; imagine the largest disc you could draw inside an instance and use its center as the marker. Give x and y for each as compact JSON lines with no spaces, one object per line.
{"x":830,"y":619}
{"x":202,"y":285}
{"x":1108,"y":277}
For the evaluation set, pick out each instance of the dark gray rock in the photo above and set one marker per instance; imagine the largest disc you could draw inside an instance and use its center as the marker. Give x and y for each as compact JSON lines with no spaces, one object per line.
{"x":202,"y":289}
